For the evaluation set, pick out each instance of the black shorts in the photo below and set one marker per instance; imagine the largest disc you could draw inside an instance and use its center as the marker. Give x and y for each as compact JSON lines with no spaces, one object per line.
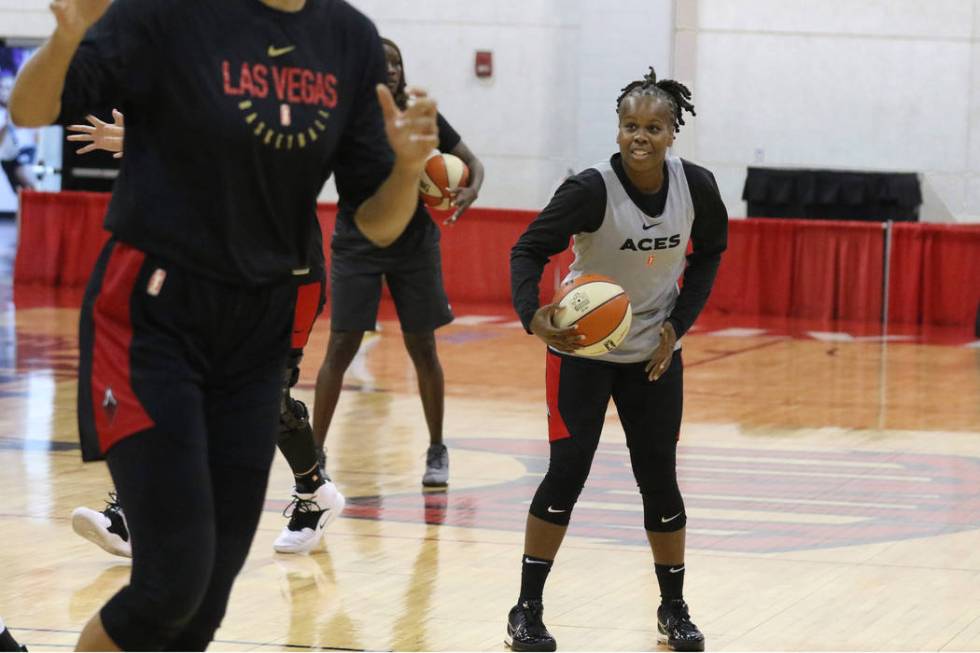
{"x":415,"y":282}
{"x":579,"y":390}
{"x":161,"y":347}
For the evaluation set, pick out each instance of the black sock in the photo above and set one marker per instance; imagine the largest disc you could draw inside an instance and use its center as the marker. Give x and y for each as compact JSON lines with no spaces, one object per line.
{"x":671,"y":580}
{"x":7,"y":641}
{"x":534,"y":572}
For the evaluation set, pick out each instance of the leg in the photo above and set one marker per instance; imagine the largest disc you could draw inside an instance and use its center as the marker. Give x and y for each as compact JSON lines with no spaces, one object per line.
{"x":242,"y":412}
{"x":651,"y":416}
{"x":316,"y":500}
{"x":578,"y":393}
{"x":432,"y":388}
{"x":295,"y":432}
{"x":170,"y":514}
{"x":355,"y":294}
{"x":416,"y":286}
{"x":341,"y":349}
{"x":142,"y":407}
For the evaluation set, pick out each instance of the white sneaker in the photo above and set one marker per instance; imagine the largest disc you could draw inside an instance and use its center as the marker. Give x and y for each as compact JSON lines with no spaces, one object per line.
{"x":309,"y":517}
{"x":108,"y":528}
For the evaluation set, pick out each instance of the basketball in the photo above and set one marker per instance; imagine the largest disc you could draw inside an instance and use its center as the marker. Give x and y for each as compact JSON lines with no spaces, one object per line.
{"x":442,"y":172}
{"x":599,"y":307}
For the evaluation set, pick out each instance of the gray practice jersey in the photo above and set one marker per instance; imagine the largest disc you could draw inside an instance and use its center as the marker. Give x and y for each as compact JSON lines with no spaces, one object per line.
{"x":643,"y":254}
{"x":639,"y":239}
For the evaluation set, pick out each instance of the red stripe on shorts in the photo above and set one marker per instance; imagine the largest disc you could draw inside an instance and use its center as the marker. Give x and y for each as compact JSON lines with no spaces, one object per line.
{"x":118,"y":413}
{"x":557,"y":430}
{"x":307,"y":303}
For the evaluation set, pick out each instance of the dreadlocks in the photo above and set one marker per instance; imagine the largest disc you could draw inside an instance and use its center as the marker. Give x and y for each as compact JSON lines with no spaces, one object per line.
{"x":668,"y":90}
{"x":401,"y":97}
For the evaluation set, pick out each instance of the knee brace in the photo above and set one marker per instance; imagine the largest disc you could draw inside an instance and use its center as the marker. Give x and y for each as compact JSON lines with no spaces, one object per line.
{"x":293,"y":415}
{"x":562,"y":485}
{"x":291,"y":375}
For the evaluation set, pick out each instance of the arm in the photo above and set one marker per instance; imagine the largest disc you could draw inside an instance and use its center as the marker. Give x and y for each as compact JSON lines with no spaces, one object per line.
{"x":36,"y":98}
{"x":709,"y":236}
{"x":464,"y":196}
{"x":578,"y":206}
{"x":412,"y":135}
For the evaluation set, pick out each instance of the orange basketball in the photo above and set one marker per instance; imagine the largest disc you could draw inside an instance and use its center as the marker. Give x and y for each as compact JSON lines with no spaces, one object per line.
{"x":442,"y":172}
{"x":599,"y":307}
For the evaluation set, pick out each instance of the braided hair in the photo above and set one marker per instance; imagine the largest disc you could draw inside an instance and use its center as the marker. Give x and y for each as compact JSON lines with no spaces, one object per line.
{"x":401,"y":97}
{"x":670,"y":91}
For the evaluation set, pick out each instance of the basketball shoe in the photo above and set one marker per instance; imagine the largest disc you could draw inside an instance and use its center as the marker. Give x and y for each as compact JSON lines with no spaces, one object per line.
{"x":309,"y":515}
{"x":526,"y":630}
{"x":7,"y":641}
{"x":436,"y":466}
{"x":676,"y":628}
{"x":107,"y":528}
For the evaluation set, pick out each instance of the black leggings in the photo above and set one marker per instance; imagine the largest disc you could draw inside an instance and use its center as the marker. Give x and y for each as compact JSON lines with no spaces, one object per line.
{"x":192,"y":518}
{"x":579,"y":390}
{"x":179,"y":388}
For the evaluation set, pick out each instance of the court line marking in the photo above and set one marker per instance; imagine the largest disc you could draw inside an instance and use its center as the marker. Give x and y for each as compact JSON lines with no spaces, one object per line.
{"x":305,"y":647}
{"x":728,"y":354}
{"x":809,"y":502}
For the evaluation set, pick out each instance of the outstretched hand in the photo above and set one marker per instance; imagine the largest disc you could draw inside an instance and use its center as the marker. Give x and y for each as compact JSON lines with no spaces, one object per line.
{"x":100,"y":135}
{"x":74,"y":17}
{"x":411,"y":133}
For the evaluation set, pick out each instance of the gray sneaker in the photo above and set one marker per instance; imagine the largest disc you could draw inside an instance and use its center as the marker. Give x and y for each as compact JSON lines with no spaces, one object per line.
{"x":436,"y":466}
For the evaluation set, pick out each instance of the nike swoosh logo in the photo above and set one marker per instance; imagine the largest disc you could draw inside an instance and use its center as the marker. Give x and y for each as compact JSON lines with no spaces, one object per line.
{"x":664,"y":520}
{"x":535,"y":562}
{"x":651,"y":226}
{"x":550,"y":509}
{"x":677,"y":570}
{"x":278,"y":52}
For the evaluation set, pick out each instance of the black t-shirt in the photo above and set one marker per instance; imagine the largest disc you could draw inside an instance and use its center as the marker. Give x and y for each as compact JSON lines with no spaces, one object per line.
{"x":236,"y":114}
{"x":579,"y":206}
{"x":420,"y":233}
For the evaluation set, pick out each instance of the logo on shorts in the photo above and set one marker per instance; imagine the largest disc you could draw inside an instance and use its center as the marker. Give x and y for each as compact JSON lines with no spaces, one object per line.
{"x":155,"y":285}
{"x":109,"y":404}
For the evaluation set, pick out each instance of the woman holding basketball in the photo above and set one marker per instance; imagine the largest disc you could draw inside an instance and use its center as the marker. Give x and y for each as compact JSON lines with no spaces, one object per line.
{"x":412,"y":268}
{"x":630,"y":218}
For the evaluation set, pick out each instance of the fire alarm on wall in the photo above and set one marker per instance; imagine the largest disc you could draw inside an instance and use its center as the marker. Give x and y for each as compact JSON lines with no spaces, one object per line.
{"x":484,"y":63}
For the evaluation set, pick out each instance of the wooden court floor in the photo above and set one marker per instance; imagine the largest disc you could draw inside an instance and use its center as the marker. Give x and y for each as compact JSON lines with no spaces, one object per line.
{"x":832,"y":486}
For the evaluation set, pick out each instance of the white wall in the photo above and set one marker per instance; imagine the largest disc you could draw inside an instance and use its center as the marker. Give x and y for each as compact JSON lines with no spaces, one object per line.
{"x":558,"y":67}
{"x":29,"y":18}
{"x":861,"y":84}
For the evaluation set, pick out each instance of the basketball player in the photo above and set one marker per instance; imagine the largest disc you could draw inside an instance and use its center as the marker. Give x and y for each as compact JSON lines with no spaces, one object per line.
{"x":316,"y":500}
{"x":630,"y":219}
{"x":186,"y":322}
{"x":413,"y":271}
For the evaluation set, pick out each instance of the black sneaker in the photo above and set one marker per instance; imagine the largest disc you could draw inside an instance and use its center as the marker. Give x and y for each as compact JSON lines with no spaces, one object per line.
{"x":676,"y":628}
{"x":107,"y":528}
{"x":526,"y":630}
